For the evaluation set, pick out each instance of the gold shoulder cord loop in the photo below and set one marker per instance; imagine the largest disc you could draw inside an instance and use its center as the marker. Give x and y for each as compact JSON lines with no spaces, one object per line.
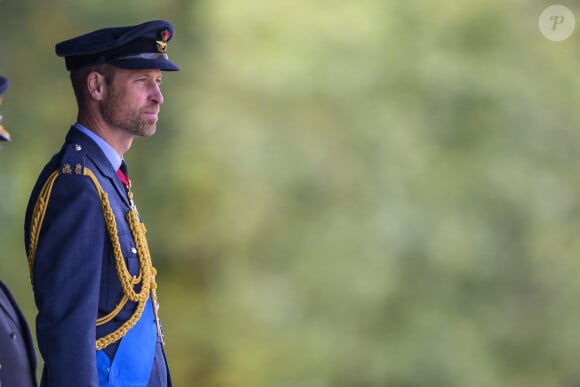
{"x":38,"y":217}
{"x":128,"y":282}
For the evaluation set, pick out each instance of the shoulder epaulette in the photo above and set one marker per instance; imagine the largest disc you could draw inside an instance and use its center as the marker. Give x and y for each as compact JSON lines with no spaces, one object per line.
{"x":73,"y":160}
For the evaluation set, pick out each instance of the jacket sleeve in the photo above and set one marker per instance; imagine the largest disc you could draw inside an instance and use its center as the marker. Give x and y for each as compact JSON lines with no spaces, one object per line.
{"x":9,"y":309}
{"x":66,"y":277}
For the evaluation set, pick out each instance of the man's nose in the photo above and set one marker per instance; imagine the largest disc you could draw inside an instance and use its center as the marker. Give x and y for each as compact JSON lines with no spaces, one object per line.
{"x":157,"y":95}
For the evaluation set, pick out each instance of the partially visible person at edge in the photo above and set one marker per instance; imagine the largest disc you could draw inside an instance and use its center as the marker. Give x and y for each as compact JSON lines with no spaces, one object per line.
{"x":92,"y":276}
{"x":17,"y":354}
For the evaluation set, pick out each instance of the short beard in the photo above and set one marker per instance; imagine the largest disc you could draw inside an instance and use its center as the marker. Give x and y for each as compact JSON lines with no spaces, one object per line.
{"x":118,"y":115}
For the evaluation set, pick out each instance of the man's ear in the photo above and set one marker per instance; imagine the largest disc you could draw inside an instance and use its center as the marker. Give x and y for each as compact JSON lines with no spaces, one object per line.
{"x":96,"y":85}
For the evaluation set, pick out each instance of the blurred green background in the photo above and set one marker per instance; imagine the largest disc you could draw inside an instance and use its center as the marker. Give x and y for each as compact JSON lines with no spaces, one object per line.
{"x":340,"y":193}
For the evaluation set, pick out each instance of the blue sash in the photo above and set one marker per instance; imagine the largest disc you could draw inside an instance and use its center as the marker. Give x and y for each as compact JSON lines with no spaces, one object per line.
{"x":133,"y":361}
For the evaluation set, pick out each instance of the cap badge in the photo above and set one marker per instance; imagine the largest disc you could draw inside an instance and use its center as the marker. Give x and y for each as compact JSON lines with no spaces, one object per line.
{"x":164,"y":36}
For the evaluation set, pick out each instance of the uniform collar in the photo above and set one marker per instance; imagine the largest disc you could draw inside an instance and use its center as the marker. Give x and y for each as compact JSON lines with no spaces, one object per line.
{"x":99,"y":156}
{"x":107,"y":149}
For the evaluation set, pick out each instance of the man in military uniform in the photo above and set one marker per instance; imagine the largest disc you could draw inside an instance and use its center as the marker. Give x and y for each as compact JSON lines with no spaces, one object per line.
{"x":17,"y":354}
{"x":92,"y":276}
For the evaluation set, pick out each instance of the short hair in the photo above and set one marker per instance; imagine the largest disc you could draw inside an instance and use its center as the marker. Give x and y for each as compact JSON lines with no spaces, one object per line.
{"x":79,"y":76}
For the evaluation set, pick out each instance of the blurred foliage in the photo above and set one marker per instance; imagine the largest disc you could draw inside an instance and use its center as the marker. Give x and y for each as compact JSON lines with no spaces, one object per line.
{"x":340,"y":193}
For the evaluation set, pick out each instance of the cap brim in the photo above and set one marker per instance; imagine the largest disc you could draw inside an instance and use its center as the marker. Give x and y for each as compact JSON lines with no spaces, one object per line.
{"x":145,"y":64}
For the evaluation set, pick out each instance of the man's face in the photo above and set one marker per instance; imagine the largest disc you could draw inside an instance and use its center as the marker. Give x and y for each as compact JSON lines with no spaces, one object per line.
{"x":132,"y":101}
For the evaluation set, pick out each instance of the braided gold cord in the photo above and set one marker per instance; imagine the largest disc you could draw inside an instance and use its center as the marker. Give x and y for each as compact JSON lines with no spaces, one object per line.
{"x":128,"y":282}
{"x":105,"y":319}
{"x":118,"y":333}
{"x":126,"y":279}
{"x":38,"y":218}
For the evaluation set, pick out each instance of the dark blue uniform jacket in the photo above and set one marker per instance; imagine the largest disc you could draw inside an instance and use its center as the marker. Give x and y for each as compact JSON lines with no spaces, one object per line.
{"x":17,"y":354}
{"x":74,"y":275}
